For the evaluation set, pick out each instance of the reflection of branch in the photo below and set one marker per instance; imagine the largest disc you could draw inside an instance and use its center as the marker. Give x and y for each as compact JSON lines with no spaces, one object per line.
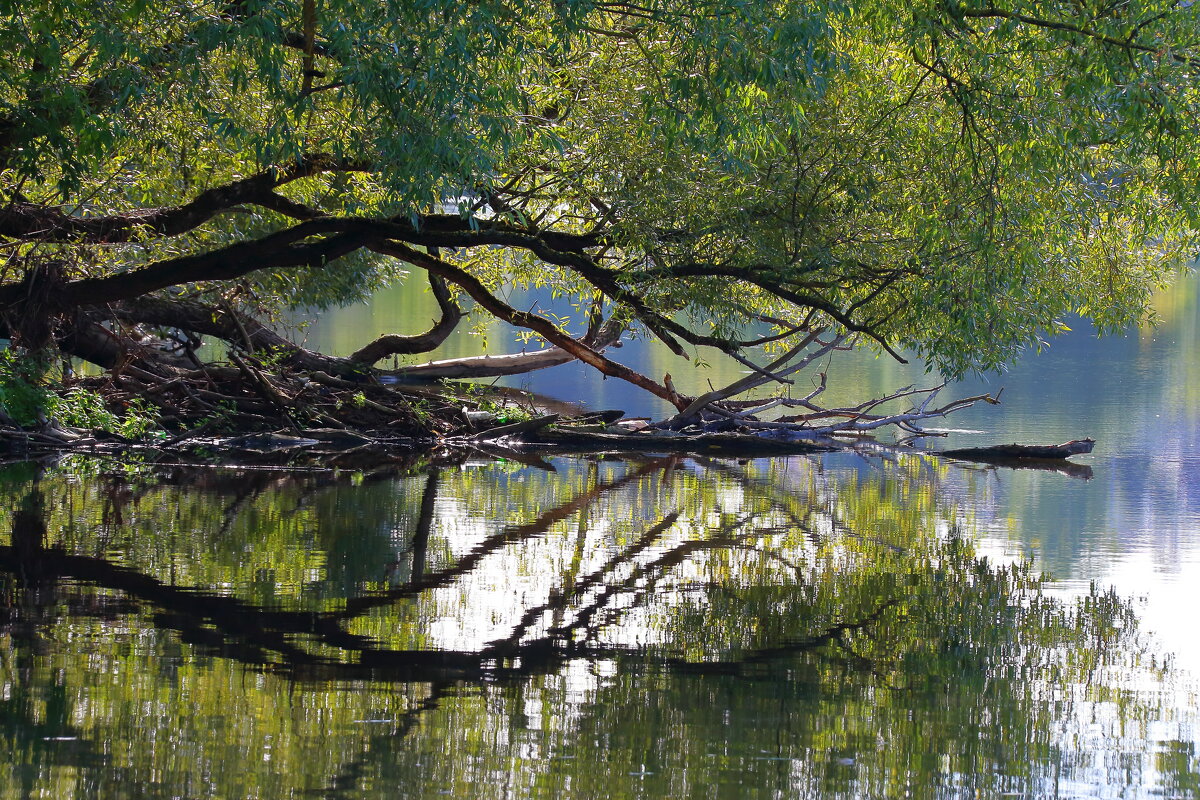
{"x":833,"y":632}
{"x":351,"y":774}
{"x":245,"y":494}
{"x":1061,"y":466}
{"x":781,"y":501}
{"x":251,"y":634}
{"x":798,"y":571}
{"x":420,"y":540}
{"x":222,"y":622}
{"x":561,"y":599}
{"x":189,"y":610}
{"x":832,"y":635}
{"x":511,"y":535}
{"x":29,"y":524}
{"x":721,"y":538}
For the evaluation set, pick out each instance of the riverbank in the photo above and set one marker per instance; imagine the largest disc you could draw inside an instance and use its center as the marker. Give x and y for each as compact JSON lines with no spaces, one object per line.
{"x":250,"y":412}
{"x":341,"y":448}
{"x":527,"y":442}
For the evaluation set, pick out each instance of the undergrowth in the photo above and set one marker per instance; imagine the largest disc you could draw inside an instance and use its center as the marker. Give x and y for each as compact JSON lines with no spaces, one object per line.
{"x":29,"y":398}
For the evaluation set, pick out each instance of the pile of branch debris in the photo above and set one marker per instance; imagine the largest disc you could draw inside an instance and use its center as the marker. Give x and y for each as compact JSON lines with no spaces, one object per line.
{"x":287,"y":406}
{"x":247,"y":395}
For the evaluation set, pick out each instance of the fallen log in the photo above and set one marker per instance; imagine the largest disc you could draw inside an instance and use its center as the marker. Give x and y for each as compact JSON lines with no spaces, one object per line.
{"x":528,"y":426}
{"x":1021,"y":451}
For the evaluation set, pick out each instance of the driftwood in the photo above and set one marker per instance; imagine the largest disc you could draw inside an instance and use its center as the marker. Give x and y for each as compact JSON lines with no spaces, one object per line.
{"x":517,"y":429}
{"x":565,"y":440}
{"x":998,"y":452}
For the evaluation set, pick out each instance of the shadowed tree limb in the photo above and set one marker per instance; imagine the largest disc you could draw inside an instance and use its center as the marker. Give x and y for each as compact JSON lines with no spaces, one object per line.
{"x":41,"y":223}
{"x":102,"y":347}
{"x":394,"y":344}
{"x":524,"y":319}
{"x":318,"y":241}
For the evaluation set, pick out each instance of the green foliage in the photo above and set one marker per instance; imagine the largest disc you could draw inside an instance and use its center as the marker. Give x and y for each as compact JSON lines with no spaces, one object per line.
{"x":28,"y":399}
{"x":956,"y":178}
{"x":484,"y":398}
{"x":961,"y":203}
{"x":21,"y":394}
{"x":83,"y":408}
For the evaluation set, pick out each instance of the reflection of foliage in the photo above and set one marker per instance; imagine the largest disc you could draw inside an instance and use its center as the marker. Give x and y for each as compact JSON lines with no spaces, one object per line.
{"x":1181,"y":769}
{"x":661,"y":628}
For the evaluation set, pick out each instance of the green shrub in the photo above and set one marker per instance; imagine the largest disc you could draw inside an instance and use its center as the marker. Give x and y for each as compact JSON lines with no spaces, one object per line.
{"x":24,"y":395}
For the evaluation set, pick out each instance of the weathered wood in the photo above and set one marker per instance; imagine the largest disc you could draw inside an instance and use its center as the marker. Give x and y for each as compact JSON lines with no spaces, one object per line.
{"x":1018,"y":451}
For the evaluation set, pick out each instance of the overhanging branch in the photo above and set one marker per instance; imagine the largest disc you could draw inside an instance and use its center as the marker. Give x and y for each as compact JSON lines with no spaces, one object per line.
{"x":394,"y":344}
{"x":32,"y":222}
{"x":524,"y":319}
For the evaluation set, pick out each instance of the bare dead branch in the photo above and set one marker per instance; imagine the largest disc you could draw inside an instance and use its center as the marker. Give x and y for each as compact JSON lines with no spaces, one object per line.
{"x":524,"y":319}
{"x":775,"y":370}
{"x":859,"y":420}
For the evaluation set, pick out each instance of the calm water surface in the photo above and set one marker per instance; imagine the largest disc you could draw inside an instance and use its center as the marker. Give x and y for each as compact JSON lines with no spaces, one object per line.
{"x":831,"y":626}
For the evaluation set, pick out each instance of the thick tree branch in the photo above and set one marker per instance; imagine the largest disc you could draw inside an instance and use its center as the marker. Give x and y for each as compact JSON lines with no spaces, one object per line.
{"x":93,"y":343}
{"x":225,"y":323}
{"x":394,"y":344}
{"x":31,"y":222}
{"x":513,"y":363}
{"x":487,"y":366}
{"x":524,"y":319}
{"x":284,"y":249}
{"x":290,"y":248}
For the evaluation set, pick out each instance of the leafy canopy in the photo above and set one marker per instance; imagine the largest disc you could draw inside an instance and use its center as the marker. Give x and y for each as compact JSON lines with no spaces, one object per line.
{"x":953,"y":177}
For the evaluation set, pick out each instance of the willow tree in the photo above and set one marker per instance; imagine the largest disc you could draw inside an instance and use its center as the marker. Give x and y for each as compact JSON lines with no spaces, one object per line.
{"x":771,"y":180}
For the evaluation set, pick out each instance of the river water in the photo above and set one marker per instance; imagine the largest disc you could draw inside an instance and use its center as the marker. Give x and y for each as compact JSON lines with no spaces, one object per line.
{"x":825,"y":626}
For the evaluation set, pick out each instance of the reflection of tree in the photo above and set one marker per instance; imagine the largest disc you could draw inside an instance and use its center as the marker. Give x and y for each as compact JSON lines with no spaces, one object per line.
{"x":266,"y":636}
{"x":1181,"y":769}
{"x":700,"y":586}
{"x":248,"y":632}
